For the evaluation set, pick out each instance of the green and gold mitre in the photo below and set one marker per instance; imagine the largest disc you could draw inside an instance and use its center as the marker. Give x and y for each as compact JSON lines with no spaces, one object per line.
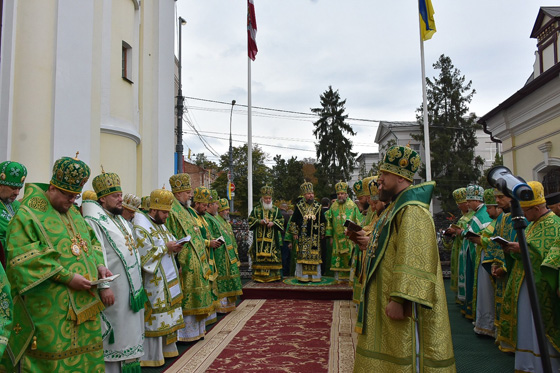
{"x":161,"y":199}
{"x":70,"y":174}
{"x":106,"y":183}
{"x":180,"y":183}
{"x":460,"y":195}
{"x":489,"y":197}
{"x":475,"y":192}
{"x":131,"y":202}
{"x":12,"y":174}
{"x":266,"y":191}
{"x":306,"y":187}
{"x":202,"y":195}
{"x":361,"y":186}
{"x":214,"y":195}
{"x":401,"y":161}
{"x":224,"y":205}
{"x":89,"y":195}
{"x":341,"y":187}
{"x":372,"y":188}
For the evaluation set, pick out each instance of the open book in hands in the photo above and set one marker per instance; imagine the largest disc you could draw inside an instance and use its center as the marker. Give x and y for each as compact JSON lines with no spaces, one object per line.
{"x":499,"y":240}
{"x":183,"y":240}
{"x":351,"y":226}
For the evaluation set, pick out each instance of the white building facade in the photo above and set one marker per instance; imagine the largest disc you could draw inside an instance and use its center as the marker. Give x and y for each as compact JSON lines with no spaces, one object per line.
{"x":94,"y":77}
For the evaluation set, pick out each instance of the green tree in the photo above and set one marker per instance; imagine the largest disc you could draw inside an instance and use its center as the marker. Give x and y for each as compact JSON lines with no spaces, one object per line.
{"x":287,"y":176}
{"x":202,"y":161}
{"x":261,"y":176}
{"x":334,"y":148}
{"x":452,"y":132}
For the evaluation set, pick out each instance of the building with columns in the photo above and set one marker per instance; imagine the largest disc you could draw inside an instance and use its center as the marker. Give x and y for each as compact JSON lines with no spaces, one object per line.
{"x":528,"y":122}
{"x":94,"y":77}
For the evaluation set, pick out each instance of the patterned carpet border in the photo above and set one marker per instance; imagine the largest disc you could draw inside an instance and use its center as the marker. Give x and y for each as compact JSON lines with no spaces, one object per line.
{"x":199,"y":357}
{"x":342,"y":341}
{"x":343,"y":337}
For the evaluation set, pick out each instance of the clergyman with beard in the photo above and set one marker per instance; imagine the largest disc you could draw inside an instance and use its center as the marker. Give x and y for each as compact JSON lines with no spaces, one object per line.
{"x":123,"y":298}
{"x":66,"y":257}
{"x":267,"y":223}
{"x":198,"y":303}
{"x":158,"y":248}
{"x":403,"y":298}
{"x":340,"y":211}
{"x":307,"y":229}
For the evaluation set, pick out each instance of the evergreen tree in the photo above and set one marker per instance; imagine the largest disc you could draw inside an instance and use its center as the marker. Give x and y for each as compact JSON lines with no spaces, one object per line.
{"x":261,"y":176}
{"x":287,"y":176}
{"x":334,"y":148}
{"x":452,"y":132}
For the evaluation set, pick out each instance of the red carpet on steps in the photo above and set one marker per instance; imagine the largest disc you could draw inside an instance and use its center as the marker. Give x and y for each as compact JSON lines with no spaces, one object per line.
{"x":285,"y":335}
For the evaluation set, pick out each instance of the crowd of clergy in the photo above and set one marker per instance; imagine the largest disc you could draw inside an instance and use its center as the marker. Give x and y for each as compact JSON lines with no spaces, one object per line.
{"x":114,"y":284}
{"x":488,"y":276}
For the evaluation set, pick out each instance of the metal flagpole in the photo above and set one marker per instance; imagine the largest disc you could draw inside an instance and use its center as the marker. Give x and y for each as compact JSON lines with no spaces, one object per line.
{"x":249,"y":146}
{"x":428,"y":156}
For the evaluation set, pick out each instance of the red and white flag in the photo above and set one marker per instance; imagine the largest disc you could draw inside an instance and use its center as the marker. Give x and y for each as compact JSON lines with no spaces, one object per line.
{"x":251,"y":30}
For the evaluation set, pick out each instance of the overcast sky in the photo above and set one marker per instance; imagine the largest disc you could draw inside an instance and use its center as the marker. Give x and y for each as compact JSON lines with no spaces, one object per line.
{"x":367,"y":50}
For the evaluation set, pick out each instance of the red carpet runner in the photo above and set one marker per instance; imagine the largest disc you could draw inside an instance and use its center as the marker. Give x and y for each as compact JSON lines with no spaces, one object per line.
{"x":284,"y":336}
{"x":277,"y":335}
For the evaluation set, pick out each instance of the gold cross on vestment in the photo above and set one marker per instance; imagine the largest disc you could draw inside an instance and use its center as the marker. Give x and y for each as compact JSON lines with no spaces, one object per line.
{"x":155,"y":280}
{"x":170,"y":312}
{"x":17,"y":328}
{"x":159,"y":304}
{"x":163,"y":326}
{"x":130,"y":244}
{"x":150,"y":319}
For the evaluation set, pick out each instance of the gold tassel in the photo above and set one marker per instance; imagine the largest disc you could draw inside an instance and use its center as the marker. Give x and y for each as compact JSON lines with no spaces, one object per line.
{"x":34,"y":344}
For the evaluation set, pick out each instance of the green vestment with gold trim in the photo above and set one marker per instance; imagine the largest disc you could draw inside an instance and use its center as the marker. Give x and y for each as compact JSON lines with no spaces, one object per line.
{"x":342,"y":247}
{"x":402,"y":262}
{"x":266,"y":250}
{"x":227,"y":263}
{"x":6,"y":308}
{"x":7,"y":211}
{"x":193,"y":259}
{"x":456,"y":247}
{"x":308,"y":224}
{"x":45,"y":249}
{"x":542,"y":236}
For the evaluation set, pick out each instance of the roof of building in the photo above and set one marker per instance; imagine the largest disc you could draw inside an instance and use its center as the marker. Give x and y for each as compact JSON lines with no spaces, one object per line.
{"x":551,"y":11}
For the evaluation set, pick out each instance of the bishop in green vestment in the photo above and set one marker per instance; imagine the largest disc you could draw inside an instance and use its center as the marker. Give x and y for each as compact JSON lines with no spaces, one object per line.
{"x":467,"y":255}
{"x":342,"y":247}
{"x":12,"y":177}
{"x":307,"y":227}
{"x":228,"y":281}
{"x":197,"y":303}
{"x":460,"y":197}
{"x":53,"y":255}
{"x":267,"y":224}
{"x":402,"y":318}
{"x":516,"y":325}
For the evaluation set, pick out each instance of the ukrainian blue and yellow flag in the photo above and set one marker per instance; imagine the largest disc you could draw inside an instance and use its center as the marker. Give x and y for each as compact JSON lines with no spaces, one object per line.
{"x":427,"y":23}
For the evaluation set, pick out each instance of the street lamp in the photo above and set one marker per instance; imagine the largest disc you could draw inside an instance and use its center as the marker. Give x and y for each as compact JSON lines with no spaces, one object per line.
{"x":180,"y":109}
{"x":230,"y":178}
